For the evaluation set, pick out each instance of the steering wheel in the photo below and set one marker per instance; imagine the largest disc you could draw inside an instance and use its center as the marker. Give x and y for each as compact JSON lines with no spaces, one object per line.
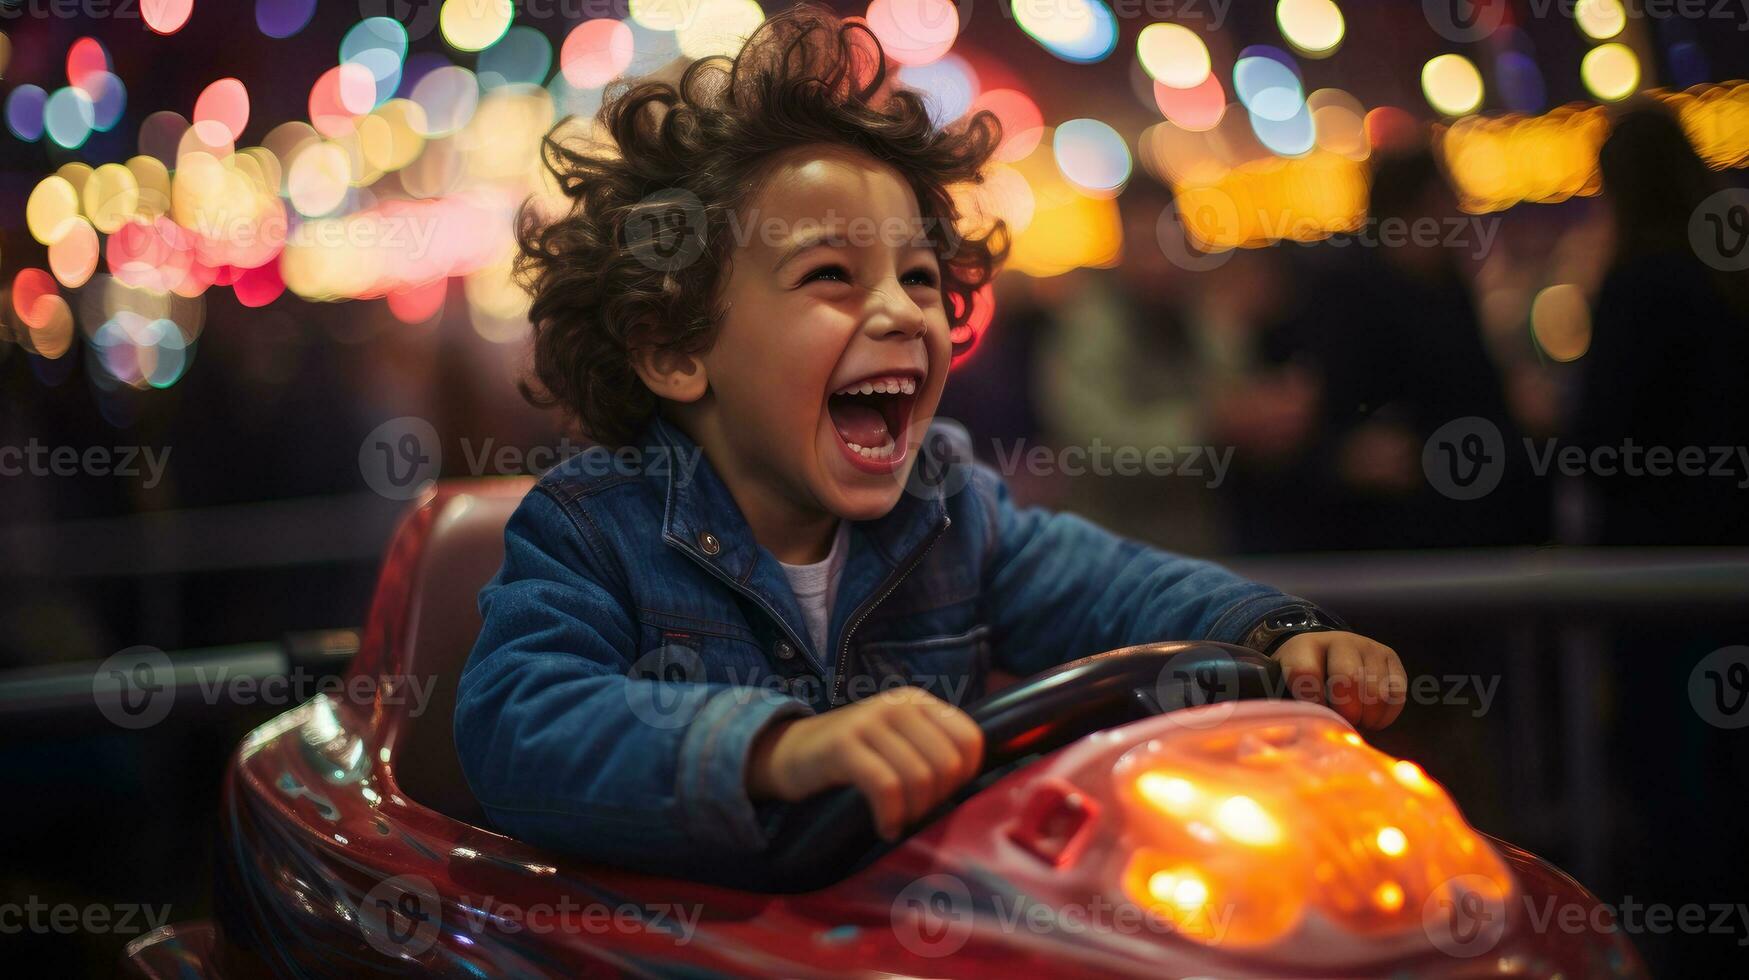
{"x":826,"y":836}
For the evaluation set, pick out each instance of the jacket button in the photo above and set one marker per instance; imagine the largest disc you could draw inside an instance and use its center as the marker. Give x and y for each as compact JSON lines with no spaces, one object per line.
{"x":785,"y":651}
{"x":709,"y":543}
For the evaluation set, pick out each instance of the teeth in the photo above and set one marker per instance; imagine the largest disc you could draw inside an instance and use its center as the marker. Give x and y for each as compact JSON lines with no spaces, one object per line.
{"x":879,"y":452}
{"x":883,"y":386}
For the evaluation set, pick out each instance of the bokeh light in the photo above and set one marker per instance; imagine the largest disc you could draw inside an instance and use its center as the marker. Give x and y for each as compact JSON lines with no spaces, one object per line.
{"x":1077,"y":31}
{"x":596,"y":52}
{"x":379,"y":46}
{"x":1611,"y":72}
{"x":1340,"y":122}
{"x":911,"y":32}
{"x":141,"y":352}
{"x":108,"y":98}
{"x":1290,"y":137}
{"x":342,"y":94}
{"x":24,"y":112}
{"x":719,"y":27}
{"x":1092,"y":156}
{"x":949,"y":85}
{"x":69,"y":117}
{"x":283,"y":18}
{"x":448,"y":96}
{"x":318,"y":177}
{"x":523,"y":57}
{"x":1196,"y":109}
{"x":1268,"y":83}
{"x":1173,"y":55}
{"x":1023,"y":125}
{"x":1520,"y":82}
{"x":661,"y":15}
{"x":50,"y":209}
{"x":471,"y":25}
{"x":32,"y":289}
{"x":52,"y":336}
{"x":111,"y":196}
{"x":225,"y":103}
{"x":1600,"y":19}
{"x":166,"y":16}
{"x":86,"y":58}
{"x":1560,"y":319}
{"x":1314,"y":27}
{"x":1452,"y":84}
{"x":73,"y":257}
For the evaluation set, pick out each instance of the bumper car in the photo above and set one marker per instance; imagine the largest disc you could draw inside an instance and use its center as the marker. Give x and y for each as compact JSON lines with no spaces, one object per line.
{"x":1150,"y":812}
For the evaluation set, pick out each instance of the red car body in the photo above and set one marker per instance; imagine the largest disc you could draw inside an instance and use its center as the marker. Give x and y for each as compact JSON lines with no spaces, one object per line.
{"x":329,"y":867}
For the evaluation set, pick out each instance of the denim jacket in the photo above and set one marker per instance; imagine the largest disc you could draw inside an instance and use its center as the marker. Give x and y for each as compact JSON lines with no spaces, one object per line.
{"x":637,"y":639}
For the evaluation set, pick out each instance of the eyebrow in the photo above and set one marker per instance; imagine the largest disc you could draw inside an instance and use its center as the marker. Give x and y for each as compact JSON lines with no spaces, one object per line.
{"x":806,"y":242}
{"x":823,"y":237}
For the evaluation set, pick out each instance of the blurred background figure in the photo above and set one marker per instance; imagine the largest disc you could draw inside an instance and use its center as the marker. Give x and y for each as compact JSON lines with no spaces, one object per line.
{"x":1158,"y":357}
{"x":1386,"y":324}
{"x":1669,"y":348}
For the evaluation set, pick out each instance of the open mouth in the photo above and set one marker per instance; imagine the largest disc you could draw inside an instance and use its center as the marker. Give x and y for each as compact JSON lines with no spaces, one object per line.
{"x":871,"y":417}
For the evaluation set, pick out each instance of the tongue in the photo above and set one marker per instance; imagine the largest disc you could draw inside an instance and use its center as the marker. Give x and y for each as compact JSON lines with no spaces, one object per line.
{"x":859,"y":423}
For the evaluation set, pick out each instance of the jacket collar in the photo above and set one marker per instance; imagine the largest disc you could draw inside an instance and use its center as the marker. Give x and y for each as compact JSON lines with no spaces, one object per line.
{"x":701,"y":518}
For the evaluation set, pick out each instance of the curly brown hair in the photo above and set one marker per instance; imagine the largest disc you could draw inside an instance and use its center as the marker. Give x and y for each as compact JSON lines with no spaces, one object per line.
{"x":636,"y":260}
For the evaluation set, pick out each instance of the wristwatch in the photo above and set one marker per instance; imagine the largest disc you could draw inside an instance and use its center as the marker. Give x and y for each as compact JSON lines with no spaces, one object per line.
{"x":1283,"y":623}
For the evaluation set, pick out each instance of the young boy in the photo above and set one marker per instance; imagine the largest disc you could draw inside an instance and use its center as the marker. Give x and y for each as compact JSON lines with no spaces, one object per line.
{"x":745,"y":597}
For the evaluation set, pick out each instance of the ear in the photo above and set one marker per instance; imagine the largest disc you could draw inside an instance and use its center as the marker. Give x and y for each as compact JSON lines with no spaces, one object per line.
{"x":671,"y":374}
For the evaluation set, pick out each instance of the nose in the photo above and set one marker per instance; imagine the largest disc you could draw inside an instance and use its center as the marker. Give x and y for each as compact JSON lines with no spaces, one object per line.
{"x":892,"y":313}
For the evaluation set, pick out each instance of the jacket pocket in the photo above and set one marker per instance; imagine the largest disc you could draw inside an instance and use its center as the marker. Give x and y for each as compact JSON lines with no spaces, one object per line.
{"x":699,"y":657}
{"x":952,"y":667}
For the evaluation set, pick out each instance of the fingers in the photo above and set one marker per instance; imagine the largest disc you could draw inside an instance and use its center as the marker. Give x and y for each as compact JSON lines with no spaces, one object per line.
{"x":1361,"y":679}
{"x":1302,"y":663}
{"x":1343,"y":668}
{"x":947,"y":761}
{"x":1393,"y":686}
{"x":914,"y":751}
{"x":870,"y":773}
{"x":918,"y":785}
{"x":963,"y":732}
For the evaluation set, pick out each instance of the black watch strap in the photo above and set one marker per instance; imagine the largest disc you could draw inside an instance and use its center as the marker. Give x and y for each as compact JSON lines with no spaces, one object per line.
{"x":1275,"y":628}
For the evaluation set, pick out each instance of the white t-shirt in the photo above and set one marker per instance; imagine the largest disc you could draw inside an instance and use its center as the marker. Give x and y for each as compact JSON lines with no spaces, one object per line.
{"x":816,"y":585}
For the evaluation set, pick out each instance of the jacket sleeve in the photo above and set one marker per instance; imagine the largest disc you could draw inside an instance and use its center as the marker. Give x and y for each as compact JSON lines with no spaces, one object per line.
{"x":1060,"y":587}
{"x":564,"y":750}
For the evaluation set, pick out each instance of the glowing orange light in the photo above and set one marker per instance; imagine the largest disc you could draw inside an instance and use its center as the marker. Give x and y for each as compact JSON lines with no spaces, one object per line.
{"x":1243,"y":820}
{"x":1277,"y":848}
{"x":1409,"y":774}
{"x":1391,"y":841}
{"x":1171,"y":793}
{"x":1181,"y":888}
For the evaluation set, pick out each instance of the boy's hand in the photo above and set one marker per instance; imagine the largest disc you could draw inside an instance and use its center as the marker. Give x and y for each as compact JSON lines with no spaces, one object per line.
{"x":1362,"y":679}
{"x":905,"y":749}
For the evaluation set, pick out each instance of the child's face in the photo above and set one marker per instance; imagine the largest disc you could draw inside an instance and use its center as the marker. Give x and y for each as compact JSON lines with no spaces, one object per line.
{"x":831,"y":287}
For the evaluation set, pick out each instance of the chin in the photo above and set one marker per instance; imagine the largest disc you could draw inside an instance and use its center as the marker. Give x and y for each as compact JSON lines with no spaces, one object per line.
{"x":870,"y":505}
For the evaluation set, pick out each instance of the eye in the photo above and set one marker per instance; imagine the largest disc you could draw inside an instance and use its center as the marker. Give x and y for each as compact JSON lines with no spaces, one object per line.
{"x":920,"y":276}
{"x":828,"y":273}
